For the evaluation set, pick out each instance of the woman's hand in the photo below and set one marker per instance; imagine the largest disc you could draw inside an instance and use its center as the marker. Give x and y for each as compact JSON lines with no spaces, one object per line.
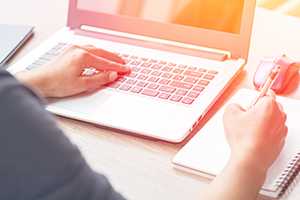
{"x":256,"y":136}
{"x":64,"y":76}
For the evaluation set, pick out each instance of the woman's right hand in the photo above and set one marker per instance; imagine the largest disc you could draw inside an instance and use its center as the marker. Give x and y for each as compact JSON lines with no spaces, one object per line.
{"x":256,"y":136}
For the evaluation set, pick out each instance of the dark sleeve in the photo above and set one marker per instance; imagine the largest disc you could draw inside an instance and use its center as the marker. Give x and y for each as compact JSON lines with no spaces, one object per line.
{"x":37,"y":161}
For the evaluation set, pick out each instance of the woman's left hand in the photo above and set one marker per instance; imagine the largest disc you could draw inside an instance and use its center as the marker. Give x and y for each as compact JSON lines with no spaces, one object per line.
{"x":64,"y":76}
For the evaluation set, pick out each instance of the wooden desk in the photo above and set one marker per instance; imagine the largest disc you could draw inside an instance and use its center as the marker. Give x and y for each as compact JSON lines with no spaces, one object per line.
{"x":141,"y":168}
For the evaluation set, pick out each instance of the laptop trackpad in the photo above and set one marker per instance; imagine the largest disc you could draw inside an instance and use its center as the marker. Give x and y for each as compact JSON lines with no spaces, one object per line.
{"x":125,"y":111}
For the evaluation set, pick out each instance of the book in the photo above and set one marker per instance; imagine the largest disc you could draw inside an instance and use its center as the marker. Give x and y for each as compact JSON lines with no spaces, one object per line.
{"x":12,"y":38}
{"x":208,"y":152}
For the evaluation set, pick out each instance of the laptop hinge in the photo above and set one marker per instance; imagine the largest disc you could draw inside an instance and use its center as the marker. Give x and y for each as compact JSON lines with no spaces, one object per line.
{"x":155,"y":43}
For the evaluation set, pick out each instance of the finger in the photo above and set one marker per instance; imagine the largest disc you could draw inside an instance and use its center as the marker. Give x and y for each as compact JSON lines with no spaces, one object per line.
{"x":280,"y":107}
{"x":99,"y":80}
{"x":282,"y":132}
{"x":285,"y":131}
{"x":104,"y":54}
{"x":281,"y":144}
{"x":103,"y":64}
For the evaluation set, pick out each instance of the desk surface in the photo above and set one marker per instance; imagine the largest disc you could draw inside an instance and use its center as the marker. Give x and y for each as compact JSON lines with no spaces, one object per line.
{"x":141,"y":168}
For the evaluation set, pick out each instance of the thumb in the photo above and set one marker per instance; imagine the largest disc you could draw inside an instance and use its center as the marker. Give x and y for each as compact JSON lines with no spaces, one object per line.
{"x":99,"y":80}
{"x":233,"y":109}
{"x":231,"y":113}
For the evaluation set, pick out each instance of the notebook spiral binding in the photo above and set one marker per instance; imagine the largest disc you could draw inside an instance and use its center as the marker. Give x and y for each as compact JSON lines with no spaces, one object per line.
{"x":289,"y":176}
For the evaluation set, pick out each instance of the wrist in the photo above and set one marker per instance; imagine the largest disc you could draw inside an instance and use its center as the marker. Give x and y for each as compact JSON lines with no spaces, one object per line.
{"x":248,"y":167}
{"x":35,"y":81}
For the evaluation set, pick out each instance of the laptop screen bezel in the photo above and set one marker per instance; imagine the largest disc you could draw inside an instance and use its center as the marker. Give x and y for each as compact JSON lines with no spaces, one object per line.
{"x":236,"y":44}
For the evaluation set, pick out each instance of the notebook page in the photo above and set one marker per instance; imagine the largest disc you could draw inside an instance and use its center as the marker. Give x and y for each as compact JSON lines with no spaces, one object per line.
{"x":208,"y":152}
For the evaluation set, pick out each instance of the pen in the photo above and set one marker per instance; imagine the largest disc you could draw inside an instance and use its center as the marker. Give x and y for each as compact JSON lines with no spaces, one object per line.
{"x":268,"y":84}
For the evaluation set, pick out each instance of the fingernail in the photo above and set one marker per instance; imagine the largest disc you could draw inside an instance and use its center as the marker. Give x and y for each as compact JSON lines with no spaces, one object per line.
{"x":113,"y":76}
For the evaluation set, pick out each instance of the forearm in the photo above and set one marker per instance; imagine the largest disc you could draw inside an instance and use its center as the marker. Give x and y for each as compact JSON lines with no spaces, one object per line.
{"x":237,"y":181}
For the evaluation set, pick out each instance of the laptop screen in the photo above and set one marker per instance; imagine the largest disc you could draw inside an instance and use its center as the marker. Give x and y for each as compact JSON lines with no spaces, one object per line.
{"x":219,"y":15}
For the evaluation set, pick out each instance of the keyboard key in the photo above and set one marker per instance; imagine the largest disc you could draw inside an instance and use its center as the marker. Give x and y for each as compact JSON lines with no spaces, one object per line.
{"x":192,"y":68}
{"x":202,"y":70}
{"x":176,"y":98}
{"x":192,"y":73}
{"x":177,"y":84}
{"x":31,"y":67}
{"x":135,"y":63}
{"x":136,"y":90}
{"x":136,"y":69}
{"x":142,"y":84}
{"x":157,"y":67}
{"x":181,"y":92}
{"x":190,"y":80}
{"x":198,"y":88}
{"x":193,"y":95}
{"x":146,"y":65}
{"x":125,"y":87}
{"x":187,"y":101}
{"x":182,"y":66}
{"x":178,"y":77}
{"x":46,"y":57}
{"x":146,"y":71}
{"x":142,"y":77}
{"x":163,"y":62}
{"x":144,"y":59}
{"x":153,"y":79}
{"x":213,"y":72}
{"x":209,"y":77}
{"x":132,"y":75}
{"x":131,"y":82}
{"x":167,"y":69}
{"x":134,"y":57}
{"x":177,"y":71}
{"x":122,"y":79}
{"x":164,"y":81}
{"x":172,"y":64}
{"x":125,"y":55}
{"x":167,"y":89}
{"x":40,"y":62}
{"x":203,"y":82}
{"x":151,"y":93}
{"x":164,"y":96}
{"x":153,"y":86}
{"x":153,"y":61}
{"x":166,"y":75}
{"x":156,"y":73}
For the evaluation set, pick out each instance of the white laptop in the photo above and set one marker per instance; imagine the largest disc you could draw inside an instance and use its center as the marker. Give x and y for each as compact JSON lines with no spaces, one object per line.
{"x":183,"y":55}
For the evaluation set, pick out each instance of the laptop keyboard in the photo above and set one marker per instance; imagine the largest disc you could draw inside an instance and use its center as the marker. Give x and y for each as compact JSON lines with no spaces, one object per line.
{"x":153,"y":78}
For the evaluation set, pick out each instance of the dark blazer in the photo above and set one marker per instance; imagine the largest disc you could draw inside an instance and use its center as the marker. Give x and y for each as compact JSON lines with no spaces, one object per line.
{"x":37,"y":162}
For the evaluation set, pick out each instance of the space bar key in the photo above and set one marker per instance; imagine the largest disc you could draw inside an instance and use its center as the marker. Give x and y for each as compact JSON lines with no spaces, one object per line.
{"x":181,"y":85}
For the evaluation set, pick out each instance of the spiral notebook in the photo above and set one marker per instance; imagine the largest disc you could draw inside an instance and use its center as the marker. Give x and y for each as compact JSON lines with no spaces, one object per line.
{"x":208,"y":152}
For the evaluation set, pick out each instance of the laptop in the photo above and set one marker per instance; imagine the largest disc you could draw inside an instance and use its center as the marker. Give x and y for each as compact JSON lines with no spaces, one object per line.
{"x":183,"y":55}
